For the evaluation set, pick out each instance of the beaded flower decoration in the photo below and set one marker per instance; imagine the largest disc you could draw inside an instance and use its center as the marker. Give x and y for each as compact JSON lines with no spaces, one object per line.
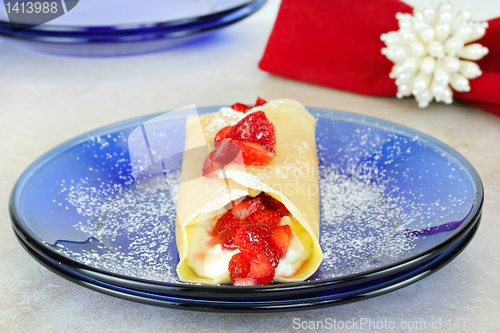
{"x":431,"y":52}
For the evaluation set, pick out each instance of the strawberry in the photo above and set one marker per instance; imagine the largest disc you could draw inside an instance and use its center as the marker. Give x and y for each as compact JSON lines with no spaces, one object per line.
{"x":211,"y":168}
{"x":244,"y":108}
{"x":260,"y":101}
{"x":249,"y":241}
{"x":224,"y":153}
{"x":254,"y":153}
{"x":272,"y":203}
{"x":252,"y":240}
{"x":280,"y":240}
{"x":222,"y":134}
{"x":239,"y":267}
{"x":261,"y":229}
{"x":269,"y":148}
{"x":253,"y":246}
{"x":262,"y":271}
{"x":246,"y":208}
{"x":253,"y":128}
{"x":226,"y":228}
{"x":240,"y":107}
{"x":267,"y":218}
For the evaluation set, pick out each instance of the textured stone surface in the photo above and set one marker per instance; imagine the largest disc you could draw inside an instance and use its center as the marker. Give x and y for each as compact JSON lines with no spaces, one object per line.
{"x":45,"y":100}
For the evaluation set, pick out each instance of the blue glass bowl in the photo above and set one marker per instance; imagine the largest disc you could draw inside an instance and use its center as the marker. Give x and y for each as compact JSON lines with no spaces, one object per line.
{"x":131,"y":38}
{"x":392,"y":200}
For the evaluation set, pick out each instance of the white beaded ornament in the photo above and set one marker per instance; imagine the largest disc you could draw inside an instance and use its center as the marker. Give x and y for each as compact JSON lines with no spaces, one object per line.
{"x":430,"y":52}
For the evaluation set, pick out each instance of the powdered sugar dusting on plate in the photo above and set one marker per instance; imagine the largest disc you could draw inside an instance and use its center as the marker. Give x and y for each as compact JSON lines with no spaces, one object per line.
{"x":359,"y":221}
{"x":131,"y":232}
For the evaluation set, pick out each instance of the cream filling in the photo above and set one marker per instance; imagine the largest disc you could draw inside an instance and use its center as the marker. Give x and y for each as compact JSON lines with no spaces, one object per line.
{"x":297,"y":254}
{"x":215,"y":263}
{"x":211,"y":261}
{"x":286,"y":266}
{"x":205,"y":260}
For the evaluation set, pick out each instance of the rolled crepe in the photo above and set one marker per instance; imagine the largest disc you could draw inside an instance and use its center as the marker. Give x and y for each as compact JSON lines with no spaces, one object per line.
{"x":290,"y":177}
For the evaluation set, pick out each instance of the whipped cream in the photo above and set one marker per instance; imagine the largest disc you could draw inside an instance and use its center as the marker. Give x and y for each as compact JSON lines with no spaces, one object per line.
{"x":286,"y":266}
{"x":205,"y":258}
{"x":296,"y":254}
{"x":214,"y":263}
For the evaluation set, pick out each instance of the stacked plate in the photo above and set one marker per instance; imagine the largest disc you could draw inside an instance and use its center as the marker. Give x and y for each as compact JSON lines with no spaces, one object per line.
{"x":117,"y":27}
{"x":396,"y":205}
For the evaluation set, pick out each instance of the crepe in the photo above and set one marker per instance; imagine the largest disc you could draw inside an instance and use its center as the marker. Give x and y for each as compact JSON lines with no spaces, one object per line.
{"x":290,"y":177}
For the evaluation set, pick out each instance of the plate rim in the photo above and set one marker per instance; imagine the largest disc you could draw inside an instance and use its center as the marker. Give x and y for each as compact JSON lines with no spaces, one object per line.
{"x":143,"y":36}
{"x":433,"y":265}
{"x":119,"y":28}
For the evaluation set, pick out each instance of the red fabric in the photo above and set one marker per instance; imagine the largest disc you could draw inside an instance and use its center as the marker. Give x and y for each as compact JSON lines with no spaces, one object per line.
{"x":336,"y":43}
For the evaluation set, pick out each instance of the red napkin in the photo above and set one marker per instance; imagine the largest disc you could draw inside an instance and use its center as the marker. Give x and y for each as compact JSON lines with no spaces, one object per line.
{"x":336,"y":43}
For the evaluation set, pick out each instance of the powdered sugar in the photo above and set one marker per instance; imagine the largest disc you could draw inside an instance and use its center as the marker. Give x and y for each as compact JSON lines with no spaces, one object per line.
{"x":358,"y":222}
{"x":134,"y":234}
{"x":225,"y":117}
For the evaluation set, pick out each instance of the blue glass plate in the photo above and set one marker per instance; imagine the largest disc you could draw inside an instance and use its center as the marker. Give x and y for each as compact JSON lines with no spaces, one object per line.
{"x":119,"y":16}
{"x":265,"y":304}
{"x":392,"y":199}
{"x":132,"y":38}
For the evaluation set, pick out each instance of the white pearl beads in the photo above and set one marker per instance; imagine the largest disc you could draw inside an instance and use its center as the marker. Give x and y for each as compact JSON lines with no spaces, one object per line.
{"x":430,"y":52}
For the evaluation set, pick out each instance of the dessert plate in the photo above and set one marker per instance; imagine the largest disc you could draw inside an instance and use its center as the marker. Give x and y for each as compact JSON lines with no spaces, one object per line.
{"x":130,"y":30}
{"x":265,"y":304}
{"x":117,"y":16}
{"x":393,"y":200}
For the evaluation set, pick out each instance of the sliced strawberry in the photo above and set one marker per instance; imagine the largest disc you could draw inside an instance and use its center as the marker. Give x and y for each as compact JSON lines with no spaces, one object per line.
{"x":261,"y":229}
{"x":246,"y":208}
{"x":243,"y":107}
{"x":211,"y":168}
{"x":268,"y":148}
{"x":226,"y":228}
{"x":253,"y":128}
{"x":246,"y":236}
{"x":267,"y":218}
{"x":254,"y":153}
{"x":262,"y":271}
{"x":239,"y":267}
{"x":280,"y":239}
{"x":226,"y":152}
{"x":253,"y":245}
{"x":272,"y":203}
{"x":260,"y":101}
{"x":222,"y":134}
{"x":240,"y":107}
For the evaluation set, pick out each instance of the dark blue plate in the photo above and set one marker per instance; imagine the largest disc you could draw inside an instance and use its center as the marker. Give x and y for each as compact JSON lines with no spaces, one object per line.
{"x":264,"y":304}
{"x":128,"y":39}
{"x":392,"y":199}
{"x":126,"y":16}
